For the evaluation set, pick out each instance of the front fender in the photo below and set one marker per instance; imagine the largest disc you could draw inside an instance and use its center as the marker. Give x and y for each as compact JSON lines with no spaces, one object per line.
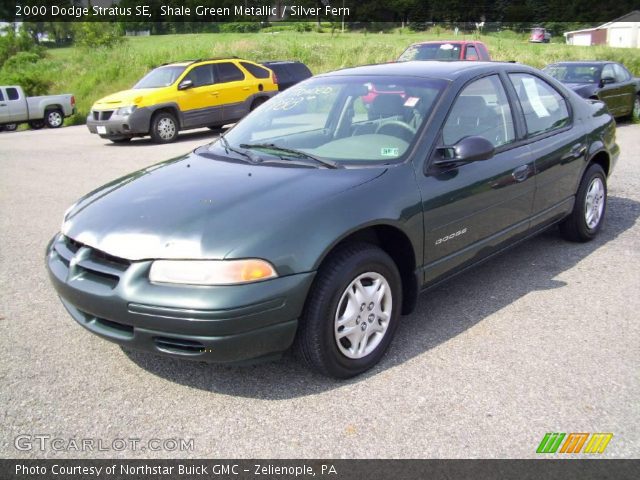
{"x":305,"y":236}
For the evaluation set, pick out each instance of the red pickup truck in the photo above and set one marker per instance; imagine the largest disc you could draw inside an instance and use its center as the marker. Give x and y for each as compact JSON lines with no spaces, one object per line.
{"x":446,"y":51}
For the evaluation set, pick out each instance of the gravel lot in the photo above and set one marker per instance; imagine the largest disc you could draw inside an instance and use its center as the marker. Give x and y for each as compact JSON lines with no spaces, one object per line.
{"x":542,"y":339}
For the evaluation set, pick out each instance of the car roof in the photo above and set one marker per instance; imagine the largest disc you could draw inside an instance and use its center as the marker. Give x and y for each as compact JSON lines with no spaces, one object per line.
{"x":437,"y":42}
{"x":583,"y":62}
{"x":200,"y":60}
{"x":430,"y":69}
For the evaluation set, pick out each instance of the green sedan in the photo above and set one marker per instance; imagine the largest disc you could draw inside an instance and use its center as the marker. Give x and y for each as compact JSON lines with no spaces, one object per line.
{"x":315,"y":222}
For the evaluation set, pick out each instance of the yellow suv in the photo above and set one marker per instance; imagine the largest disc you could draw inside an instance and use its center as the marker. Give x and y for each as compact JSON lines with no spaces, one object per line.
{"x":179,"y":96}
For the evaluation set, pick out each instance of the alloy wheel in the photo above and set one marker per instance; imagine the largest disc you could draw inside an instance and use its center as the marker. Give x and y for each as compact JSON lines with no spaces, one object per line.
{"x":363,"y":315}
{"x":54,"y":119}
{"x":594,"y":203}
{"x":166,"y":128}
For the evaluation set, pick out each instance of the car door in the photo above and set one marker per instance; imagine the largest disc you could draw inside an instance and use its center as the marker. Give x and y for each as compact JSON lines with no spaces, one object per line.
{"x":473,"y":208}
{"x":557,"y":143}
{"x":233,"y":91}
{"x":4,"y":108}
{"x":611,"y":92}
{"x":17,"y":105}
{"x":627,"y":88}
{"x":200,"y":104}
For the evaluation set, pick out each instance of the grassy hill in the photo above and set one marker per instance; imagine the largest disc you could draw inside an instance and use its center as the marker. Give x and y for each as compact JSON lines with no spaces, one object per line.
{"x":93,"y":73}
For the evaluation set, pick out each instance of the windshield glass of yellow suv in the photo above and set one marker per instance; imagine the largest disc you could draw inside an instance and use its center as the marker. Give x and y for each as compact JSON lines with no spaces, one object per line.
{"x":344,"y":119}
{"x":160,"y":77}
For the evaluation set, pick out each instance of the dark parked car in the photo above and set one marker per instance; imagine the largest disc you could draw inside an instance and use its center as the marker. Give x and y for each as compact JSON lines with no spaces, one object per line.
{"x":288,"y":73}
{"x":607,"y":81}
{"x":316,"y":222}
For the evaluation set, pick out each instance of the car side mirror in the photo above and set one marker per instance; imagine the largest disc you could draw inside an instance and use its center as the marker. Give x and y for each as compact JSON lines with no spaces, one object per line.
{"x":185,"y":84}
{"x":469,"y":149}
{"x":607,"y":80}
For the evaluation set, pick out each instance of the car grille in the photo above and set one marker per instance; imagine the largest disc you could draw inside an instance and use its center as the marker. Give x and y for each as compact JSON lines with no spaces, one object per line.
{"x":89,"y":263}
{"x":102,"y":115}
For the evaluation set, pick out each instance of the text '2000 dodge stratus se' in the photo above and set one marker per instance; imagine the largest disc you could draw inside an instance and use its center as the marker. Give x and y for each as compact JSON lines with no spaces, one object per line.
{"x":317,"y":220}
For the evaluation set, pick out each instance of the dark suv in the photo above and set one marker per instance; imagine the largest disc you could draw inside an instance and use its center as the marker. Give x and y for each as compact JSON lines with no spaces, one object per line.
{"x":316,"y":220}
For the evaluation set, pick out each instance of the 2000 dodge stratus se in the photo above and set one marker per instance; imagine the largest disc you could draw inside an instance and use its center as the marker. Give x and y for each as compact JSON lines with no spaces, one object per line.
{"x":317,"y":219}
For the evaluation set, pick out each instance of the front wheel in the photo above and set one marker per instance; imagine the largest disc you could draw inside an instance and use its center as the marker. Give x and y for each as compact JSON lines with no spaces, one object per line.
{"x":164,"y":127}
{"x":54,"y":118}
{"x":351,"y":313}
{"x":589,"y":209}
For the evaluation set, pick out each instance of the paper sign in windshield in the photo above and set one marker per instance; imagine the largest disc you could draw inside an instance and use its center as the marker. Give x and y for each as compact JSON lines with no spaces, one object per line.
{"x":534,"y":97}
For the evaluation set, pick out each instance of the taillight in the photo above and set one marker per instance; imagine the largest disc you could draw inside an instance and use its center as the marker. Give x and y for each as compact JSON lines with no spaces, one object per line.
{"x":274,"y":77}
{"x":73,"y":101}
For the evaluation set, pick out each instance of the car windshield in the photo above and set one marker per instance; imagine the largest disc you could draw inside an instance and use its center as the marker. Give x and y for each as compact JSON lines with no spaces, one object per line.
{"x":160,"y":77}
{"x":431,"y":51}
{"x":337,"y":119}
{"x":574,"y":73}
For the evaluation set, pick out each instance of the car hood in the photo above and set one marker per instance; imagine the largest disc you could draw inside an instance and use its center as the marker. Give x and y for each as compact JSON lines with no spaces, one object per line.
{"x":582,"y":89}
{"x":123,"y":98}
{"x":198,"y":207}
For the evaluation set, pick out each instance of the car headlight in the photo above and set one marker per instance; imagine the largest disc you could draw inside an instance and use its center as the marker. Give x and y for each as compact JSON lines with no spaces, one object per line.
{"x":124,"y":111}
{"x":211,"y":272}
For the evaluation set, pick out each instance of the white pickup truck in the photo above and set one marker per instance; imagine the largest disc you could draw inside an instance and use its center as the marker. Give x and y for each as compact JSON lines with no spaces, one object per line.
{"x":47,"y":110}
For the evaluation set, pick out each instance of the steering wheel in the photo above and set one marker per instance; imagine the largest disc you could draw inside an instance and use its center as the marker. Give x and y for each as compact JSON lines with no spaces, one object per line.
{"x":398,"y":129}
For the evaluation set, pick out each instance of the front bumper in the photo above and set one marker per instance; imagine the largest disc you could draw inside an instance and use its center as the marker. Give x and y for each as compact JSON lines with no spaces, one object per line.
{"x":114,"y":299}
{"x":119,"y":126}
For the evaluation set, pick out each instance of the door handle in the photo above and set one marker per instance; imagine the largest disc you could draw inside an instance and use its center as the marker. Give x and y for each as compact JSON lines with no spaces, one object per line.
{"x":520,"y":174}
{"x":577,"y":150}
{"x":245,"y":88}
{"x":214,"y":93}
{"x":3,"y":104}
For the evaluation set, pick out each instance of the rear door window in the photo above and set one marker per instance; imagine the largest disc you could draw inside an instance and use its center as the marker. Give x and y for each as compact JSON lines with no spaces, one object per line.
{"x":544,"y":108}
{"x":228,"y":72}
{"x":12,"y":94}
{"x":255,"y":70}
{"x":621,"y":74}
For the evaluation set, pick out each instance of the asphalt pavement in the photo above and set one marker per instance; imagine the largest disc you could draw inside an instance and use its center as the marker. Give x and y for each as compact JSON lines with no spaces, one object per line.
{"x":544,"y":338}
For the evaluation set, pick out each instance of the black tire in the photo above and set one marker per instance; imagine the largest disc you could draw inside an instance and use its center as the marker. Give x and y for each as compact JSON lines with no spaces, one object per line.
{"x":316,"y":342}
{"x":256,"y":103}
{"x":121,"y":140}
{"x":10,"y":127}
{"x":575,"y":227}
{"x":164,"y":127}
{"x":54,"y":118}
{"x":36,"y":124}
{"x":215,"y":128}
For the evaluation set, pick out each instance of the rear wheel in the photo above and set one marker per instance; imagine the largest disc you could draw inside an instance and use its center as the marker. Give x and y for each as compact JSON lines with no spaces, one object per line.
{"x":10,"y":127}
{"x":257,"y":102}
{"x":589,"y":209}
{"x":164,"y":127}
{"x":351,"y":313}
{"x":54,"y":118}
{"x":36,"y":124}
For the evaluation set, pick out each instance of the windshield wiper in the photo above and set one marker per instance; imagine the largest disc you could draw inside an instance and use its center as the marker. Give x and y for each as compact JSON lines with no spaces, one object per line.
{"x":291,"y":151}
{"x":228,"y":148}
